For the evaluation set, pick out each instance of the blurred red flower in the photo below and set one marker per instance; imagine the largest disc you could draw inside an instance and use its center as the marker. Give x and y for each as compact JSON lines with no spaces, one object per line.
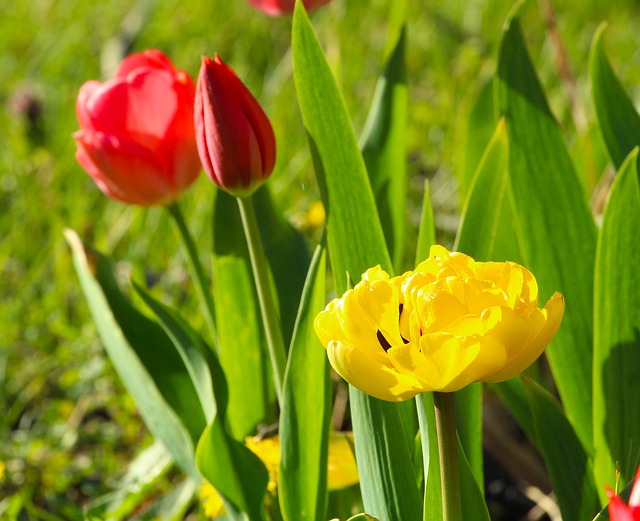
{"x":136,"y":137}
{"x":235,"y":139}
{"x":619,"y":511}
{"x":279,"y":7}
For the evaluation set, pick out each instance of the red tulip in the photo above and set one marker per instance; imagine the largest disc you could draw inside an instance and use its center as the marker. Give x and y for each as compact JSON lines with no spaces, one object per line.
{"x":235,"y":139}
{"x":618,"y":511}
{"x":278,"y":7}
{"x":136,"y":137}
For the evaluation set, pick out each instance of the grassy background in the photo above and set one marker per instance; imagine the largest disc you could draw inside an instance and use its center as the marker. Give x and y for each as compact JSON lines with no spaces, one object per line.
{"x":67,"y":429}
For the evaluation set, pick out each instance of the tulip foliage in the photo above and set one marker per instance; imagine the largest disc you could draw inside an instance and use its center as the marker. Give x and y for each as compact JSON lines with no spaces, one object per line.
{"x":536,"y":272}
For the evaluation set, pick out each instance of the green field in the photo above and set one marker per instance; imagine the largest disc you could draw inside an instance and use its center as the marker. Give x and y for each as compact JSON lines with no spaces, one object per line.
{"x":67,"y":427}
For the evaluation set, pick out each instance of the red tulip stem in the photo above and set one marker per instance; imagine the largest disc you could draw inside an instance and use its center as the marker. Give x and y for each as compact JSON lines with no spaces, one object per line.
{"x":195,"y":268}
{"x":445,"y":410}
{"x":270,"y":318}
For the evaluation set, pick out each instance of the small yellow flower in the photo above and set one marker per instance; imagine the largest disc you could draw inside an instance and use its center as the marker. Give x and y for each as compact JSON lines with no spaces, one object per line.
{"x":450,"y":322}
{"x":3,"y":466}
{"x":342,"y":471}
{"x":211,"y":500}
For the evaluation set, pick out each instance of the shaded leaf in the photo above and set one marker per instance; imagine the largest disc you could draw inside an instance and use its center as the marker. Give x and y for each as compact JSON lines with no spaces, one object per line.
{"x":616,"y":385}
{"x":567,"y":462}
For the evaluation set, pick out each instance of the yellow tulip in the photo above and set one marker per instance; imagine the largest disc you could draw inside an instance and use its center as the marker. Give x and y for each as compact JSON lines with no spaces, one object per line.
{"x":450,"y":322}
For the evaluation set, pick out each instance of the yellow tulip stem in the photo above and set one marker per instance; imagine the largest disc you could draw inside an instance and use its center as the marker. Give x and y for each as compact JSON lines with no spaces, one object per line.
{"x":195,"y":268}
{"x":270,"y":319}
{"x":448,"y":451}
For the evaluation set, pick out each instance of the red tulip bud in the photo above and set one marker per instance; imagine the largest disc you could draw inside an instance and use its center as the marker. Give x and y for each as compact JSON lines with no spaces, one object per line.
{"x":279,"y":7}
{"x":235,"y":139}
{"x":136,"y":137}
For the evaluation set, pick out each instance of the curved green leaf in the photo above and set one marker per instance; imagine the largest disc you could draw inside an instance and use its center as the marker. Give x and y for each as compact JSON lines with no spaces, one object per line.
{"x":239,"y":323}
{"x":384,"y":150}
{"x":618,"y":120}
{"x":554,"y":222}
{"x":616,"y":385}
{"x":144,"y":357}
{"x":189,"y":345}
{"x":355,"y":243}
{"x":569,"y":467}
{"x":306,"y":409}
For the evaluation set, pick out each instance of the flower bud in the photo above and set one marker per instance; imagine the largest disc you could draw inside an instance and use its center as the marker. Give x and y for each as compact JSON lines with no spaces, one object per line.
{"x":136,"y":137}
{"x":235,"y":139}
{"x":280,"y":7}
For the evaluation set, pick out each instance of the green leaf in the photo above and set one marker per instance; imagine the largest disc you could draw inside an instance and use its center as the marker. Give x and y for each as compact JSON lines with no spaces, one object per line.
{"x":473,"y":505}
{"x":189,"y":345}
{"x":288,"y":257}
{"x":566,"y":460}
{"x":432,"y":507}
{"x":616,"y":386}
{"x":618,"y":120}
{"x":384,"y":150}
{"x":355,"y":242}
{"x":555,"y":224}
{"x":427,"y":232}
{"x":144,"y":357}
{"x":512,"y":394}
{"x":481,"y":229}
{"x":306,"y":409}
{"x":239,"y":323}
{"x":486,"y":231}
{"x":234,"y":470}
{"x":477,"y":131}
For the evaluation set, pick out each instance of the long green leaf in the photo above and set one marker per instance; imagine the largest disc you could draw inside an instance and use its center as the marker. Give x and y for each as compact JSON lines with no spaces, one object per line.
{"x":241,"y":341}
{"x":618,"y":120}
{"x":288,"y":257}
{"x":306,"y":409}
{"x":557,"y":230}
{"x":144,"y":357}
{"x":355,"y":242}
{"x":190,"y":348}
{"x":475,"y":134}
{"x":384,"y":150}
{"x":568,"y":464}
{"x":616,"y":382}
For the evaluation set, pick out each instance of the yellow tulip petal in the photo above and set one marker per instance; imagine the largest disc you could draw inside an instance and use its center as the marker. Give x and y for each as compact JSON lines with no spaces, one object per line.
{"x":519,"y":361}
{"x":327,"y":325}
{"x":368,"y":376}
{"x":446,"y":359}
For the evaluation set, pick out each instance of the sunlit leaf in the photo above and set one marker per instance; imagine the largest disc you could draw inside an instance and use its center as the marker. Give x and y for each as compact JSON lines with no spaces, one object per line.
{"x":554,"y":222}
{"x":306,"y":409}
{"x":355,"y":243}
{"x":618,"y":120}
{"x":384,"y":150}
{"x":144,"y":357}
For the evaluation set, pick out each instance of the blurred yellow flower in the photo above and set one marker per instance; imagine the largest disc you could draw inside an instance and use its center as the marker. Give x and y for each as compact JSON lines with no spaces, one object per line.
{"x":342,"y":471}
{"x":3,"y":466}
{"x":450,"y":322}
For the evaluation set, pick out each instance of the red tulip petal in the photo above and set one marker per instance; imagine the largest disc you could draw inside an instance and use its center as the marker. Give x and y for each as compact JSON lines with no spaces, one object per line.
{"x":125,"y":170}
{"x":148,"y":59}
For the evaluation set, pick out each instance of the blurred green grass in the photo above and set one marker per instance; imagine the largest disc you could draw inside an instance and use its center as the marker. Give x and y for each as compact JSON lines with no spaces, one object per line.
{"x":67,"y":428}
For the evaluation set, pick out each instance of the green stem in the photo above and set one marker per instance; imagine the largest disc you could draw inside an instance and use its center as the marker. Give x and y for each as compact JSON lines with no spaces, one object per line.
{"x":270,"y":318}
{"x":195,"y":268}
{"x":448,"y":450}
